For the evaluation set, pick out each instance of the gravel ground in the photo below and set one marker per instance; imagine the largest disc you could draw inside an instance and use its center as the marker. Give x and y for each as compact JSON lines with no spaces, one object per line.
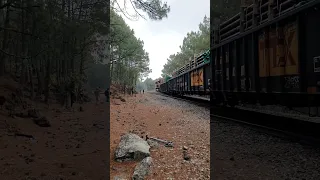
{"x":239,"y":152}
{"x":242,"y":153}
{"x":163,"y":117}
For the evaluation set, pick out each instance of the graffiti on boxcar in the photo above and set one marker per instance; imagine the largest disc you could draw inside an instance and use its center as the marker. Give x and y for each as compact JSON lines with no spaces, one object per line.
{"x":278,"y":51}
{"x":192,"y":78}
{"x":200,"y":77}
{"x":287,"y":51}
{"x":197,"y":78}
{"x":288,"y":58}
{"x":292,"y":82}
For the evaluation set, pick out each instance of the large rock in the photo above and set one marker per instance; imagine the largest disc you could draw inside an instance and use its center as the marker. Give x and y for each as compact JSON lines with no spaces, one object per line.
{"x":131,"y":147}
{"x":142,"y":169}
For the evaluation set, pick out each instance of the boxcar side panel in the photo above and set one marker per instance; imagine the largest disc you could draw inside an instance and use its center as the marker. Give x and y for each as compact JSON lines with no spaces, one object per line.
{"x":238,"y":64}
{"x":220,"y":65}
{"x":264,"y":66}
{"x":250,"y":64}
{"x":233,"y":60}
{"x":312,"y":49}
{"x":227,"y":69}
{"x":192,"y":79}
{"x":241,"y":64}
{"x":207,"y":75}
{"x":181,"y":83}
{"x":218,"y":69}
{"x":223,"y":68}
{"x":187,"y":82}
{"x":278,"y":58}
{"x":201,"y":76}
{"x":213,"y":69}
{"x":274,"y":78}
{"x":197,"y":77}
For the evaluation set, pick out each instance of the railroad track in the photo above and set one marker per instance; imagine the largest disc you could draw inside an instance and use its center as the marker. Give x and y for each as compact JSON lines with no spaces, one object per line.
{"x":304,"y":132}
{"x":196,"y":101}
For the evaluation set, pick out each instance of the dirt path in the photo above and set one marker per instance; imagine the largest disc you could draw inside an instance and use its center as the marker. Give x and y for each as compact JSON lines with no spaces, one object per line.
{"x":166,"y":118}
{"x":59,"y":151}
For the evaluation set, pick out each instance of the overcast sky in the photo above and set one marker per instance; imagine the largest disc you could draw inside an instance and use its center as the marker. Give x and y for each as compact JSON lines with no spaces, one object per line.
{"x":163,"y":38}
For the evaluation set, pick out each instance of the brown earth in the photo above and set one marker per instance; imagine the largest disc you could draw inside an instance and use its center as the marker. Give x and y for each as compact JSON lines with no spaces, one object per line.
{"x":146,"y":115}
{"x":59,"y":151}
{"x":74,"y":147}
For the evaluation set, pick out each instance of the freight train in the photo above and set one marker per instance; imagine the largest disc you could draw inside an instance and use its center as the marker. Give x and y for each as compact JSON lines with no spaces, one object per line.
{"x":268,"y":54}
{"x":191,"y":79}
{"x":157,"y":83}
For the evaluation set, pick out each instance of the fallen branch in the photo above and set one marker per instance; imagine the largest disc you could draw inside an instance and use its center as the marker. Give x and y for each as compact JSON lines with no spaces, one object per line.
{"x":24,"y":135}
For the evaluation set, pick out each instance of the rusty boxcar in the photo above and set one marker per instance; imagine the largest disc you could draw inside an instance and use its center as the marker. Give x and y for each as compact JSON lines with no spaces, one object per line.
{"x":268,"y":54}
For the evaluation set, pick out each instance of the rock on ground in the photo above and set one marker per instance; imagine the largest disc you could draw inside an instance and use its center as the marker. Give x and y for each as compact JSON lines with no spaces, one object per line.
{"x":131,"y":147}
{"x":142,"y":169}
{"x":119,"y":178}
{"x":153,"y":144}
{"x":42,"y":122}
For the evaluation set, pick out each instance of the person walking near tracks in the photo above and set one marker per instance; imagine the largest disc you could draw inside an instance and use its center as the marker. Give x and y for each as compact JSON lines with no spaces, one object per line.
{"x":143,"y":91}
{"x":107,"y":94}
{"x":97,"y":94}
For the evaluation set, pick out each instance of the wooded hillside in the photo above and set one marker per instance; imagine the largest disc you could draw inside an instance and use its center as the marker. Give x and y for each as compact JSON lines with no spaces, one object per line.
{"x":57,"y":48}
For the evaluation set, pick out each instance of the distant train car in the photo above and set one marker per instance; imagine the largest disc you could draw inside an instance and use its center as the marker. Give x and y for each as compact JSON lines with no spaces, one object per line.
{"x":163,"y":85}
{"x":157,"y":83}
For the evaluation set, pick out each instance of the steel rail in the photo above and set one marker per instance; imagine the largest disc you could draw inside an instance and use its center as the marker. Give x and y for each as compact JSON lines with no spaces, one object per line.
{"x":292,"y":136}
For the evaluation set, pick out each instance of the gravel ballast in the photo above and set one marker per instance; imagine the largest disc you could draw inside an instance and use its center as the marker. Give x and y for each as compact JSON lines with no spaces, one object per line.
{"x":242,"y":153}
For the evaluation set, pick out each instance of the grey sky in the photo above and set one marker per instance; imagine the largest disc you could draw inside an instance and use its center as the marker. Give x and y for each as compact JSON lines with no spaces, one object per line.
{"x":163,"y":38}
